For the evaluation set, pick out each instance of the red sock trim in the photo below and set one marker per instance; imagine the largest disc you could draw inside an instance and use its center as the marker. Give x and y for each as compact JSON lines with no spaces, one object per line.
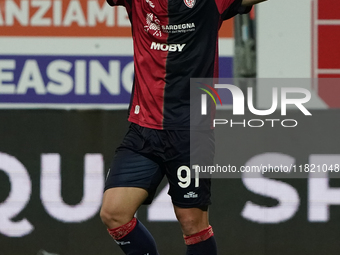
{"x":120,"y":232}
{"x":199,"y":237}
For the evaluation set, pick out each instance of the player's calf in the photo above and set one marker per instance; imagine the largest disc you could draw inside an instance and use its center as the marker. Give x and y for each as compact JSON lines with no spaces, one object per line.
{"x":134,"y":239}
{"x":201,"y":243}
{"x":198,"y":234}
{"x":117,"y":213}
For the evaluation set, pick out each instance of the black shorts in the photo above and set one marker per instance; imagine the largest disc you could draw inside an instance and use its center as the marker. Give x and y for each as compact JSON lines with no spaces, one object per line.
{"x":146,"y":155}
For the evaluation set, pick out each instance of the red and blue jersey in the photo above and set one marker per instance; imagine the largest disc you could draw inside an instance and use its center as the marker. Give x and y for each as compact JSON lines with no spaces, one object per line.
{"x":174,"y":40}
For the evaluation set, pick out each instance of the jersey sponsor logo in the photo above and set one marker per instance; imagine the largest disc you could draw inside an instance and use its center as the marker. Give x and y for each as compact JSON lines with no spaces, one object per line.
{"x":62,"y":18}
{"x":167,"y":47}
{"x":189,"y":3}
{"x":179,"y":28}
{"x":191,"y":194}
{"x":153,"y":25}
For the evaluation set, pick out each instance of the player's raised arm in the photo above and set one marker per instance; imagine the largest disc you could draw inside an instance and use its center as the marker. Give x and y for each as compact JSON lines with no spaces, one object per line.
{"x":251,"y":2}
{"x":115,"y":2}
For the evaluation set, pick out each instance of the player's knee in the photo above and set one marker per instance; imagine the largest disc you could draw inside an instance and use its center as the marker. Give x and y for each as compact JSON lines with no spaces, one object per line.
{"x":114,"y":218}
{"x":106,"y":216}
{"x":189,"y":224}
{"x":192,"y":220}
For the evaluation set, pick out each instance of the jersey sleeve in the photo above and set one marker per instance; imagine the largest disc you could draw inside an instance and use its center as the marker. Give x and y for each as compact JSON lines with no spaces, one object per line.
{"x":116,"y":2}
{"x":230,"y":8}
{"x":126,"y":3}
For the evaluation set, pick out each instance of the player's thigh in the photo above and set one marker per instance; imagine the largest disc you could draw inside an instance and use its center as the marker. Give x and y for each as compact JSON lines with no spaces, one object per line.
{"x":132,"y":169}
{"x":131,"y":181}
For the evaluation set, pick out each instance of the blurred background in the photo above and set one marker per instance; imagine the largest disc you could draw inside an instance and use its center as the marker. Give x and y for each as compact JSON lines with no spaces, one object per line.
{"x":66,"y":73}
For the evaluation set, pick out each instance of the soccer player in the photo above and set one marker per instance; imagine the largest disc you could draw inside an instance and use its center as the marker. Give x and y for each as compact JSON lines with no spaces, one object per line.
{"x":174,"y":40}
